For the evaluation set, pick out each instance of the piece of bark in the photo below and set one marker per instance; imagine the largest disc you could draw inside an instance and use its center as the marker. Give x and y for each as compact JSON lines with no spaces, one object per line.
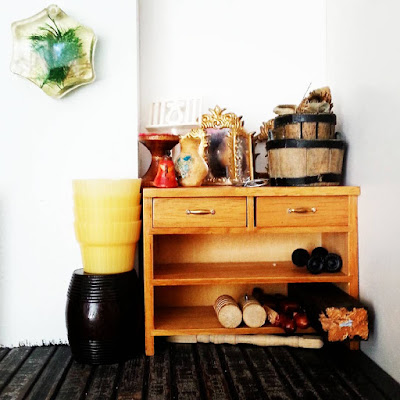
{"x":341,"y":323}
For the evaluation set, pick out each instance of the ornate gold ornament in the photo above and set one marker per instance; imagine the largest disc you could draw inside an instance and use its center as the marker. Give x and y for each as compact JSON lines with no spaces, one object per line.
{"x":264,"y":129}
{"x":226,"y":148}
{"x":217,"y":119}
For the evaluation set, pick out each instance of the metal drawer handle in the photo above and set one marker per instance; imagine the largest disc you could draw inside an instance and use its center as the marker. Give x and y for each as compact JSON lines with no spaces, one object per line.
{"x":301,"y":210}
{"x":200,"y":212}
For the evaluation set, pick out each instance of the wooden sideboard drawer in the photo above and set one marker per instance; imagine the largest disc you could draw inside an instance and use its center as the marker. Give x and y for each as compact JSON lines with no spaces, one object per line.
{"x":201,"y":212}
{"x":302,"y":211}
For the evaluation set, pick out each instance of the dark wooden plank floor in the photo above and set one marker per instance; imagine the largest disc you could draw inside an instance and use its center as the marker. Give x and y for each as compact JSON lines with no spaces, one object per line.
{"x":204,"y":371}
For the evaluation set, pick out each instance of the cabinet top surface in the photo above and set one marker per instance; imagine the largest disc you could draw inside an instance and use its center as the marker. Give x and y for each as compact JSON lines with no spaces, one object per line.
{"x":217,"y":191}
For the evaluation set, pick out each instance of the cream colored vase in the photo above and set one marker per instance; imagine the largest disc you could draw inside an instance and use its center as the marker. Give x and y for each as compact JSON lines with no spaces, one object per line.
{"x":190,"y":165}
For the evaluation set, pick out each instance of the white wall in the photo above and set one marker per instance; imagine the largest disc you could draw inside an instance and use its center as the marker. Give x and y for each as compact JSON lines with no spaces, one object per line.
{"x":246,"y":56}
{"x":45,"y":143}
{"x":363,"y":64}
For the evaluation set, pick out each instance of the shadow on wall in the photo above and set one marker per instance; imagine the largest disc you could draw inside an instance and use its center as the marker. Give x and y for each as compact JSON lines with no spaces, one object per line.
{"x":371,"y":317}
{"x":144,"y":157}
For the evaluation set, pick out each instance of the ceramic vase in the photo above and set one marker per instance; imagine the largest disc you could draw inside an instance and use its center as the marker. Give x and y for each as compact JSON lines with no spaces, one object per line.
{"x":190,"y":165}
{"x":159,"y":145}
{"x":166,"y":177}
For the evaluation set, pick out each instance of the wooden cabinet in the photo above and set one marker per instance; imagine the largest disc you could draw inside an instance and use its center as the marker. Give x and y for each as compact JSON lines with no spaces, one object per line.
{"x":202,"y":242}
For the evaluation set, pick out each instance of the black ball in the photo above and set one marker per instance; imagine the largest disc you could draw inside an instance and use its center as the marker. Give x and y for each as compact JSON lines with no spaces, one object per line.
{"x":300,"y":257}
{"x":333,"y":262}
{"x":319,"y":252}
{"x":315,"y":265}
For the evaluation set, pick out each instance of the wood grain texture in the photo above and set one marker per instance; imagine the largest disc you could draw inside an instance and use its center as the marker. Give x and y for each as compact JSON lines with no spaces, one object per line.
{"x":184,"y":377}
{"x":75,"y":382}
{"x":46,"y":386}
{"x":238,"y":273}
{"x":159,"y":377}
{"x":353,"y":247}
{"x":344,"y":365}
{"x":11,"y":362}
{"x":230,"y":191}
{"x":202,"y":320}
{"x":148,"y":260}
{"x":338,"y":243}
{"x":132,"y":382}
{"x":297,"y":380}
{"x":205,"y":295}
{"x":26,"y":375}
{"x":220,"y":212}
{"x":244,"y":383}
{"x":231,"y":248}
{"x":326,"y":382}
{"x":251,"y":222}
{"x":216,"y":386}
{"x":265,"y":372}
{"x":3,"y":353}
{"x":103,"y":383}
{"x":219,"y":230}
{"x":330,"y":211}
{"x":207,"y":371}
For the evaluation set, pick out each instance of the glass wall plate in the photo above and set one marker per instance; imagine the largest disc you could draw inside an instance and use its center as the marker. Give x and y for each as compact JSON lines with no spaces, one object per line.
{"x":53,"y":51}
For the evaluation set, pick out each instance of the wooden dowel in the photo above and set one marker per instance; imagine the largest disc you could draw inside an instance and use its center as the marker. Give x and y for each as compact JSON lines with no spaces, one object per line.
{"x":228,"y":312}
{"x":254,"y":314}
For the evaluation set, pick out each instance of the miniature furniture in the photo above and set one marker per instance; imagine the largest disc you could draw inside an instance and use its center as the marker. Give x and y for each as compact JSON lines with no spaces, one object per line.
{"x":200,"y":243}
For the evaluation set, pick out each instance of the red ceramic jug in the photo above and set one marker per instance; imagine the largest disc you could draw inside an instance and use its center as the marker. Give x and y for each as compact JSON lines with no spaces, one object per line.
{"x":166,"y":177}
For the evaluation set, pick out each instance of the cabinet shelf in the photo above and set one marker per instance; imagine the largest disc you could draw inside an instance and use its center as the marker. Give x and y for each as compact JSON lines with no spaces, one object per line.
{"x":221,"y":247}
{"x":252,"y":230}
{"x":238,"y":273}
{"x":202,"y":320}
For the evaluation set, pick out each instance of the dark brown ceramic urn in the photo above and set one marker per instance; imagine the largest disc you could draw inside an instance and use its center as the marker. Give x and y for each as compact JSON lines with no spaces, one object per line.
{"x":103,"y":317}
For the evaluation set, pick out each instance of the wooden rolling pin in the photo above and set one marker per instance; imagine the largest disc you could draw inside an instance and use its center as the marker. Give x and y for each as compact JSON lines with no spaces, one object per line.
{"x":228,"y":312}
{"x":306,"y":341}
{"x":254,"y":314}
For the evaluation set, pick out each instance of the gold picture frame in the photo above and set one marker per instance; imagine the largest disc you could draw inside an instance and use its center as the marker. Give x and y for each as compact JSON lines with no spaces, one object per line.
{"x":226,"y":148}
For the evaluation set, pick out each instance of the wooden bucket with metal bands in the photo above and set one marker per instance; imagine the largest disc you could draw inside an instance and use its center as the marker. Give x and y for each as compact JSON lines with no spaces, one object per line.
{"x":295,"y":162}
{"x":304,"y":126}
